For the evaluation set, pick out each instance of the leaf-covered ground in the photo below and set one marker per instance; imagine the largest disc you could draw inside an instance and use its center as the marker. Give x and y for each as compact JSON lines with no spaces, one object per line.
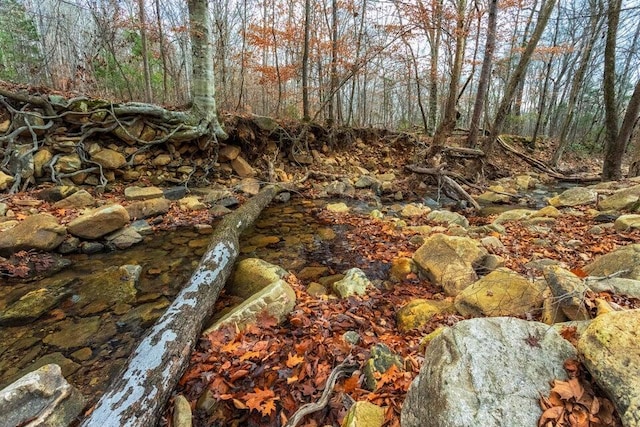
{"x":261,"y":376}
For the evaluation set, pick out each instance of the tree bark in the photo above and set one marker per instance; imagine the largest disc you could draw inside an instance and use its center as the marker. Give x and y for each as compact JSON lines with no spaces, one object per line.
{"x":145,"y":56}
{"x":305,"y":62}
{"x":613,"y":152}
{"x":517,"y":75}
{"x":154,"y":368}
{"x":485,"y":73}
{"x":203,"y":89}
{"x":449,"y":119}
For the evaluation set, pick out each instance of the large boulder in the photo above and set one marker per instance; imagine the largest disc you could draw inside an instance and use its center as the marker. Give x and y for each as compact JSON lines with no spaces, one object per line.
{"x":148,"y":207}
{"x":568,"y":291}
{"x":277,"y":300}
{"x":418,"y":312}
{"x":625,"y":261}
{"x":354,"y":282}
{"x":627,"y":222}
{"x":98,"y":222}
{"x":574,"y":197}
{"x":502,"y":292}
{"x":449,"y":261}
{"x":252,"y":275}
{"x":616,"y":285}
{"x":621,"y":199}
{"x":448,"y":218}
{"x":40,"y":232}
{"x":41,"y":393}
{"x":610,"y":351}
{"x":109,"y":159}
{"x":486,"y":372}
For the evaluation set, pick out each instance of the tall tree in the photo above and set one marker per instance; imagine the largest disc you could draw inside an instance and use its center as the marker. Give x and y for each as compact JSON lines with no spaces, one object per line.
{"x":203,"y":88}
{"x":517,"y":75}
{"x":148,"y":97}
{"x":305,"y":61}
{"x":450,"y":112}
{"x":485,"y":73}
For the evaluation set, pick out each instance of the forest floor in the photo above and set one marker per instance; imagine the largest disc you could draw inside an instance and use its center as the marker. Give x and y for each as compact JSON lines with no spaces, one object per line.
{"x":261,"y":376}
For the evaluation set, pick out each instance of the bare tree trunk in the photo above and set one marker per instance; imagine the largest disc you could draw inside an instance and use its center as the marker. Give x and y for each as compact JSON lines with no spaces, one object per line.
{"x":136,"y":399}
{"x":449,"y":119}
{"x":611,"y":168}
{"x":590,"y":37}
{"x":434,"y":33}
{"x":517,"y":75}
{"x":148,"y":96}
{"x":333,"y":69}
{"x":203,"y":86}
{"x":306,"y":116}
{"x":485,"y":73}
{"x":163,"y":54}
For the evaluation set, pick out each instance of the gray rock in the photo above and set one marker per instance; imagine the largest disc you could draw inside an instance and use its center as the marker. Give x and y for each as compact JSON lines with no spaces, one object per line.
{"x":568,"y":291}
{"x":79,"y":199}
{"x":449,"y":261}
{"x":627,"y":222}
{"x":575,"y":196}
{"x":174,"y":193}
{"x":91,"y":247}
{"x":355,"y":282}
{"x":124,"y":238}
{"x":380,"y":361}
{"x":625,"y":260}
{"x":283,"y":197}
{"x":365,"y":181}
{"x":148,"y":208}
{"x":143,"y":193}
{"x":486,"y":372}
{"x":99,"y":222}
{"x":610,"y":351}
{"x":277,"y":300}
{"x":43,"y":398}
{"x":142,"y":227}
{"x":448,"y":218}
{"x":252,"y":275}
{"x":40,"y":232}
{"x":615,"y":285}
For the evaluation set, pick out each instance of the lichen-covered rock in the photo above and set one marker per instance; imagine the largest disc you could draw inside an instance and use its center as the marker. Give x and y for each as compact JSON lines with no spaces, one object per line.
{"x":502,"y":292}
{"x":610,"y":351}
{"x":448,"y":217}
{"x":109,"y":159}
{"x":568,"y":291}
{"x":252,"y":275}
{"x":625,"y":261}
{"x":34,"y":304}
{"x":148,"y":208}
{"x":380,"y":361}
{"x":276,"y":300}
{"x":78,"y":200}
{"x":486,"y":372}
{"x":575,"y":196}
{"x":621,"y":199}
{"x":5,"y":181}
{"x":98,"y":222}
{"x":513,"y":215}
{"x":449,"y":261}
{"x":627,"y":222}
{"x":41,"y":232}
{"x":418,"y":312}
{"x":142,"y":193}
{"x":355,"y":282}
{"x":41,"y":393}
{"x":364,"y":414}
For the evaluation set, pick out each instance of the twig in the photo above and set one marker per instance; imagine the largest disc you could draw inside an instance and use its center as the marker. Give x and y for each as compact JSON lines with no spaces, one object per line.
{"x":346,"y":367}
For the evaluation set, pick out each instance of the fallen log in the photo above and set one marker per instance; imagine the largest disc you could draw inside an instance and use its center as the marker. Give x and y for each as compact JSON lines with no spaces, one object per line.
{"x":545,"y":168}
{"x":137,"y":397}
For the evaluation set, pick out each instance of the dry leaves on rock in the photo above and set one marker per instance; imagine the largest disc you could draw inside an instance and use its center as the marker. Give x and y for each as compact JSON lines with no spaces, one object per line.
{"x":574,"y":403}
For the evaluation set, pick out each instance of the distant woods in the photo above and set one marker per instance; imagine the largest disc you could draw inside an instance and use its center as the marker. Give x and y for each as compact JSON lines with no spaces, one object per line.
{"x":423,"y":65}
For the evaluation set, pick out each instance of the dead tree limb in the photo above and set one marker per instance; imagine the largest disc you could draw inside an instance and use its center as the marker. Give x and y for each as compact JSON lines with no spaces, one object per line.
{"x":448,"y":181}
{"x":545,"y":168}
{"x":137,"y":397}
{"x":346,"y":367}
